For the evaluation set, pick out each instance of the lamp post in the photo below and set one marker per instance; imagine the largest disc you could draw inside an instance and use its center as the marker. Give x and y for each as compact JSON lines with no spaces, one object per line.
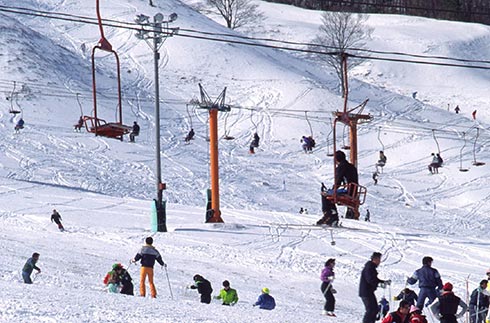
{"x":154,"y":34}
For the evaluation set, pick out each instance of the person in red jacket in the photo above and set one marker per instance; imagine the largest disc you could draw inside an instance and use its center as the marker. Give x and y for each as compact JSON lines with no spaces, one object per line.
{"x":401,"y":314}
{"x":148,"y":255}
{"x":416,"y":315}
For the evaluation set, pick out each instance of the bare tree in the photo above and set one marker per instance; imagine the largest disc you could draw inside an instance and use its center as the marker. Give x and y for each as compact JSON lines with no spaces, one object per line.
{"x":237,"y":13}
{"x":341,"y":32}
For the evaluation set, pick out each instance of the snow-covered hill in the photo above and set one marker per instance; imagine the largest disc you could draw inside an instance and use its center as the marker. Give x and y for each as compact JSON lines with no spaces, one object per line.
{"x":103,"y":187}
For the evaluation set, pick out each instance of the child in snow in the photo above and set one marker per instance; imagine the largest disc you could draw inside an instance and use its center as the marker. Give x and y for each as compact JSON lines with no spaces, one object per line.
{"x":118,"y":280}
{"x":265,"y":301}
{"x":327,"y":276}
{"x":29,"y":266}
{"x":203,"y":287}
{"x":227,"y":294}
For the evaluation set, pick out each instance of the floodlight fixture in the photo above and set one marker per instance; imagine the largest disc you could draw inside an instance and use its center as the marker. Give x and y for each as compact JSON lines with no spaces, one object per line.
{"x":158,"y":18}
{"x":172,"y":17}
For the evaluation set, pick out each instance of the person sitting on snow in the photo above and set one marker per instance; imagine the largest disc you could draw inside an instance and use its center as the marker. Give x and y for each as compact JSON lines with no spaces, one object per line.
{"x":265,"y":301}
{"x":228,"y":295}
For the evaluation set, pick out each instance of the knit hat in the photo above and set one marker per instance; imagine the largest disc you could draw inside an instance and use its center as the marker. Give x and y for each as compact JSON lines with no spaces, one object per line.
{"x":414,"y":308}
{"x":447,"y":287}
{"x":116,"y":266}
{"x":265,"y":290}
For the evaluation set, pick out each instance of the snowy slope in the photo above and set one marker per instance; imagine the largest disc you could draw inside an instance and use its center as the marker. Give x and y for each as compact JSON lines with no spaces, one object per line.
{"x":103,"y":187}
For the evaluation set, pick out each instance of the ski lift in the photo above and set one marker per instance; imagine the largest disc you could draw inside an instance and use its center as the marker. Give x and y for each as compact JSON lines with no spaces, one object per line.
{"x":476,"y":163}
{"x":344,"y":145}
{"x":99,"y":126}
{"x":227,"y":132}
{"x":329,"y":154}
{"x":13,"y":96}
{"x":309,"y":124}
{"x":435,"y":139}
{"x":461,"y":169}
{"x":379,"y":139}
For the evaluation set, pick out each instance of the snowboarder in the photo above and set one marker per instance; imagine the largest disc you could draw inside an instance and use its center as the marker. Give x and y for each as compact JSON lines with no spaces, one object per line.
{"x":255,"y":143}
{"x":135,"y":132}
{"x":401,"y":314}
{"x":265,"y":300}
{"x":416,"y":315}
{"x":29,"y":266}
{"x":227,"y":294}
{"x":457,"y":109}
{"x":79,"y":125}
{"x":381,"y":161}
{"x":407,"y":294}
{"x":429,"y":280}
{"x":203,"y":287}
{"x":327,"y":276}
{"x":367,"y":286}
{"x":436,"y":163}
{"x":189,"y":136}
{"x":118,"y":280}
{"x":479,"y":302}
{"x":345,"y":174}
{"x":148,"y":255}
{"x":445,"y":307}
{"x":19,"y":125}
{"x":56,"y":217}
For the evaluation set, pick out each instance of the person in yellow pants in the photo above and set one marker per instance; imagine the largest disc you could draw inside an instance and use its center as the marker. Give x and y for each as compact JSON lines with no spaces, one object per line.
{"x":148,"y":255}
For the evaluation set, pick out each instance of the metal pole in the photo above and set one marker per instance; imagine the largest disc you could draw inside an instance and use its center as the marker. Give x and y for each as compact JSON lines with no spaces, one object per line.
{"x":214,"y":161}
{"x":161,"y":216}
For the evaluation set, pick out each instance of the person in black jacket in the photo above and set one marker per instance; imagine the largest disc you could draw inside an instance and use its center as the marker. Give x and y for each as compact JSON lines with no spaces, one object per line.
{"x":346,"y":173}
{"x":203,"y":287}
{"x":56,"y":217}
{"x":408,"y":295}
{"x":430,"y":282}
{"x":148,"y":255}
{"x":135,"y":132}
{"x":368,"y":285}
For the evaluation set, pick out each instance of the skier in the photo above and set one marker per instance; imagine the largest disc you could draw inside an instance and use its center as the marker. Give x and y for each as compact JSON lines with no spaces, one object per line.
{"x":56,"y":217}
{"x":367,"y":286}
{"x":29,"y":266}
{"x":327,"y":276}
{"x":479,"y":302}
{"x":203,"y":287}
{"x":265,"y":300}
{"x":429,"y":279}
{"x":382,"y":161}
{"x":457,"y":109}
{"x":135,"y":132}
{"x":227,"y":294}
{"x":301,"y":211}
{"x":118,"y":280}
{"x":346,"y":173}
{"x":79,"y":125}
{"x":148,"y":255}
{"x":435,"y":164}
{"x":401,"y":314}
{"x":255,"y":143}
{"x":407,"y":294}
{"x":445,"y":306}
{"x":19,"y":125}
{"x":189,"y":136}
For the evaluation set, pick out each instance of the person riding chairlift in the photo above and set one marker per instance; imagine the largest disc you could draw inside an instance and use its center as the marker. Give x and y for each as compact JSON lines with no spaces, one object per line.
{"x":436,"y":163}
{"x":19,"y":125}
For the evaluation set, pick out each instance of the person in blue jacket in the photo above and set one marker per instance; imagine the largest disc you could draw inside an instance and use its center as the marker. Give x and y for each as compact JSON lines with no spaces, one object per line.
{"x":430,"y":282}
{"x":265,"y":301}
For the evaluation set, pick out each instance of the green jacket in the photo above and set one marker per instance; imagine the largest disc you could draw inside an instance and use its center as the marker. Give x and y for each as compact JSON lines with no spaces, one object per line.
{"x":229,"y":296}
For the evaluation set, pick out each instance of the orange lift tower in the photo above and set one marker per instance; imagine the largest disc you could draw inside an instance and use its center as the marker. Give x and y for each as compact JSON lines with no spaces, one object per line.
{"x":213,"y":213}
{"x":356,"y":194}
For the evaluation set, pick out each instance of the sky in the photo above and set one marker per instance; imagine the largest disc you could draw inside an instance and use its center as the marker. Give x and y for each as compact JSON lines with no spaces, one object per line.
{"x":103,"y":187}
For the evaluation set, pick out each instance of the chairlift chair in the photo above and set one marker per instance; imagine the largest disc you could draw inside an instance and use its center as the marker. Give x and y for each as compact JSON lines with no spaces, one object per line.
{"x":461,"y":169}
{"x":344,"y":146}
{"x":13,"y":97}
{"x":227,"y":136}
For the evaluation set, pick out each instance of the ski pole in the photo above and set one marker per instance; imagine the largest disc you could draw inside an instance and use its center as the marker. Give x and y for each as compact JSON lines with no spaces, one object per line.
{"x":168,"y":281}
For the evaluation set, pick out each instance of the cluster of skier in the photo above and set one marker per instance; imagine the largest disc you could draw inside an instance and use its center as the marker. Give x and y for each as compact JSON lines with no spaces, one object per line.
{"x":439,"y":298}
{"x":118,"y":279}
